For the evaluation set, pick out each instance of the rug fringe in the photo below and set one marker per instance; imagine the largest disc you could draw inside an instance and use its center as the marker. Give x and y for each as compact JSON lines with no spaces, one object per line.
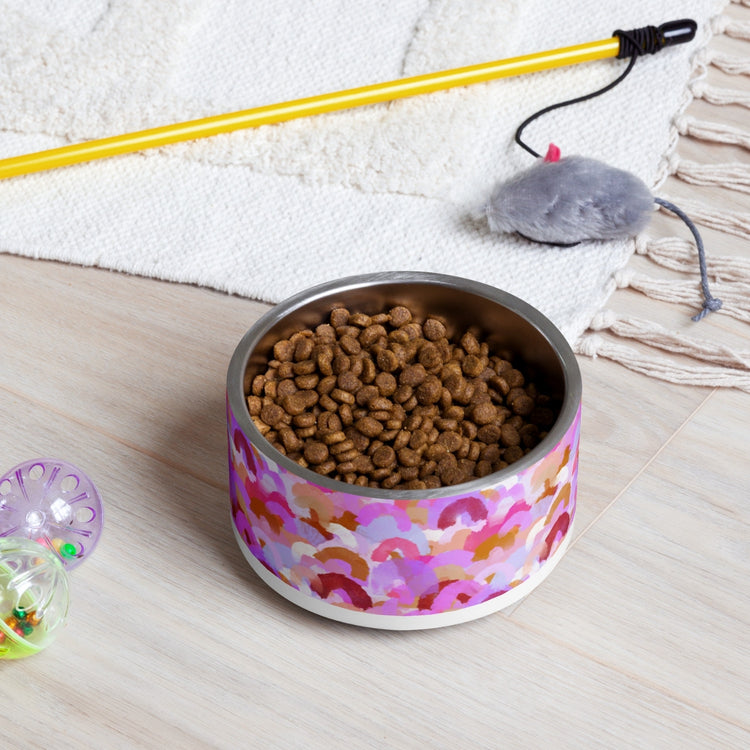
{"x":730,"y":222}
{"x":734,"y":295}
{"x":720,"y":96}
{"x":731,"y":26}
{"x":704,"y":130}
{"x":679,"y":254}
{"x":729,"y":64}
{"x":657,"y":366}
{"x":734,"y":175}
{"x":659,"y":337}
{"x":677,"y":356}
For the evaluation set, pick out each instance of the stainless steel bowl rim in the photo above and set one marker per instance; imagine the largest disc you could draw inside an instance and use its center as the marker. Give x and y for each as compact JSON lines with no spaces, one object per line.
{"x":558,"y":343}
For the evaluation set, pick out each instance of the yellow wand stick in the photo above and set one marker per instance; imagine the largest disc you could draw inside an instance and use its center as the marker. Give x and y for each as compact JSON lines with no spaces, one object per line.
{"x":647,"y":39}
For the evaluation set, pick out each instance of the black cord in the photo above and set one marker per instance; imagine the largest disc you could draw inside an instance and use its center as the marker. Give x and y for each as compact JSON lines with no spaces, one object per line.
{"x":631,"y":42}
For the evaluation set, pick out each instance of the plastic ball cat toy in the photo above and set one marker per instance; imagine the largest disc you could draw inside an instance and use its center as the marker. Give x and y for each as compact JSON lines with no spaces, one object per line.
{"x":50,"y":519}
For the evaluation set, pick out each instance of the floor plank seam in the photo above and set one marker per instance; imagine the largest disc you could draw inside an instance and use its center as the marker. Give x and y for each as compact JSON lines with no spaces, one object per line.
{"x":117,"y":439}
{"x":633,"y":676}
{"x":644,"y":468}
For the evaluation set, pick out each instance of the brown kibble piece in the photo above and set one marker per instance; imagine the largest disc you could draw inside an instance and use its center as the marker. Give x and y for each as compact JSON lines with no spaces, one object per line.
{"x":339,"y":317}
{"x":523,"y":405}
{"x":348,"y":381}
{"x":513,"y":453}
{"x":433,"y":329}
{"x":451,"y":441}
{"x":469,"y":343}
{"x":254,"y":405}
{"x":386,"y":383}
{"x":272,"y":414}
{"x":369,"y":426}
{"x":472,"y":366}
{"x":429,"y":356}
{"x":400,"y":316}
{"x":429,"y":391}
{"x":509,"y":435}
{"x":387,"y":360}
{"x":384,"y":456}
{"x":283,"y":351}
{"x":488,"y":433}
{"x":483,"y":413}
{"x":412,"y":375}
{"x":408,"y":457}
{"x":315,"y":452}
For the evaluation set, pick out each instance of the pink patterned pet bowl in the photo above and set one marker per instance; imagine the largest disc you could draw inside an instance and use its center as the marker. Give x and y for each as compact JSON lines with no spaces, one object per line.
{"x":406,"y":559}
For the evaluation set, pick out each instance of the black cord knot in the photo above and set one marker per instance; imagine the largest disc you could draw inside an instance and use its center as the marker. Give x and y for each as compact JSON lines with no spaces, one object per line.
{"x":650,"y":39}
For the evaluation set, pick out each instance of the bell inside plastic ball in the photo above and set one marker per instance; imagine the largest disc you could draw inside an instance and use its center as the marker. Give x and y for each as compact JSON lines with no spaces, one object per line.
{"x":34,"y":597}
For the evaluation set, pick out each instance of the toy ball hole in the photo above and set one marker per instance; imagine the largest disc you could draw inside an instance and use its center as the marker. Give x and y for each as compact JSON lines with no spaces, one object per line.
{"x":36,"y":472}
{"x":85,"y":515}
{"x":5,"y":487}
{"x":69,"y":483}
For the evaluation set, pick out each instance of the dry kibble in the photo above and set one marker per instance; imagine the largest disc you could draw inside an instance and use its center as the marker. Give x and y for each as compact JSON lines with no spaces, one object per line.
{"x":429,"y":391}
{"x":384,"y":456}
{"x":509,"y":435}
{"x":272,"y":414}
{"x":483,"y":413}
{"x":339,"y":317}
{"x":408,"y":457}
{"x":315,"y":452}
{"x":283,"y":351}
{"x":488,"y":433}
{"x":523,"y":405}
{"x":387,"y":400}
{"x":387,"y":360}
{"x":286,"y":388}
{"x":386,"y":383}
{"x":433,"y":329}
{"x":412,"y":375}
{"x":369,"y":426}
{"x":348,"y":381}
{"x":350,"y":344}
{"x":513,"y":453}
{"x":400,"y":316}
{"x":254,"y":405}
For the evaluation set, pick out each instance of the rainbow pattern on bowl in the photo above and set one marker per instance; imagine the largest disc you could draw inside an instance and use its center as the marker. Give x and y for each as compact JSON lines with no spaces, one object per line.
{"x":402,"y":556}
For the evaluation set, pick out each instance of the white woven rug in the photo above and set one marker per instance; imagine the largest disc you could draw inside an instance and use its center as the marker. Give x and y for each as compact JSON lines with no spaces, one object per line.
{"x":267,"y":212}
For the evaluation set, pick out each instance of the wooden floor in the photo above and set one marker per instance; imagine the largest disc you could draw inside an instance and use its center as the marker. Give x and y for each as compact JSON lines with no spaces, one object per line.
{"x":640,"y":638}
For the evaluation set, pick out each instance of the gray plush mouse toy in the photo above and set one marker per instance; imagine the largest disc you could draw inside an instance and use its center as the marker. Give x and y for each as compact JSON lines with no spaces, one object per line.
{"x":565,"y":201}
{"x":570,"y":200}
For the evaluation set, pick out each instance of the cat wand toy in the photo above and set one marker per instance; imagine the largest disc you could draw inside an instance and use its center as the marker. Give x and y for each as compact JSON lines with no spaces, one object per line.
{"x":648,"y":39}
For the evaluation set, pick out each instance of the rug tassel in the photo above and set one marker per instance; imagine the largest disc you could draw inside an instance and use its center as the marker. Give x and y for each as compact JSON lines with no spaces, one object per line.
{"x":733,"y":66}
{"x":734,"y":175}
{"x":659,"y":366}
{"x":735,"y":297}
{"x":719,"y":96}
{"x":679,"y":254}
{"x":730,"y":222}
{"x":671,"y":341}
{"x":714,"y":132}
{"x":731,"y":27}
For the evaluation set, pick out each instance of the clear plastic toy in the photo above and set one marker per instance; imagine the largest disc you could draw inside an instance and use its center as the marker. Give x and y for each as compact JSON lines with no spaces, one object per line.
{"x":33,"y":597}
{"x":50,"y":520}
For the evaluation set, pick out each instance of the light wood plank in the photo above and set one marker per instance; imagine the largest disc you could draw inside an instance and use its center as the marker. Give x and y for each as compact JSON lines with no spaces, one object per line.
{"x":659,"y":587}
{"x":172,"y":641}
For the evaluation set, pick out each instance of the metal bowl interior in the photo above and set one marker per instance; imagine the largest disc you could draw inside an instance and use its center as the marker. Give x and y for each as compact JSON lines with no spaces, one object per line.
{"x":504,"y":321}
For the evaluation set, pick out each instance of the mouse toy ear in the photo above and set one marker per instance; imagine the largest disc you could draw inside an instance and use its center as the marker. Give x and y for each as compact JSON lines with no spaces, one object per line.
{"x":570,"y":200}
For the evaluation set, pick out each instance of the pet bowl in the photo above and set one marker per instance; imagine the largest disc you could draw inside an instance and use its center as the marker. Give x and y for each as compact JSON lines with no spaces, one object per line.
{"x":406,"y":559}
